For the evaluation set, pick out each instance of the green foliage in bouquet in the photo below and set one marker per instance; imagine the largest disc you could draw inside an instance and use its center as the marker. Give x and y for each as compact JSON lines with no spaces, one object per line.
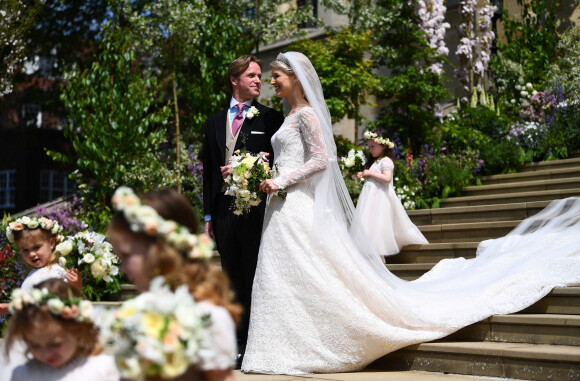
{"x":247,"y":173}
{"x":353,"y":163}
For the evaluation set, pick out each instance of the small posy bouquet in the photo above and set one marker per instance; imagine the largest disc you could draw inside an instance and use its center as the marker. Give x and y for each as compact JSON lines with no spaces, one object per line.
{"x":158,"y":333}
{"x":89,"y":250}
{"x":247,"y":173}
{"x":353,"y":163}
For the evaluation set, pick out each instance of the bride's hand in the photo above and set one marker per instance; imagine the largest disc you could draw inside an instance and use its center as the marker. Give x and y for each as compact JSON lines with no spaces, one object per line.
{"x":268,"y":186}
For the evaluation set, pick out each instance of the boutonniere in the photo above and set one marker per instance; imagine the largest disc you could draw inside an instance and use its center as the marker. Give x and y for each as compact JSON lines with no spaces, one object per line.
{"x":252,"y":112}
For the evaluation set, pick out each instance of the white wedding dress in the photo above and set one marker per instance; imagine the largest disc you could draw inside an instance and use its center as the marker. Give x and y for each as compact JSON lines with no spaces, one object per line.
{"x":322,"y":302}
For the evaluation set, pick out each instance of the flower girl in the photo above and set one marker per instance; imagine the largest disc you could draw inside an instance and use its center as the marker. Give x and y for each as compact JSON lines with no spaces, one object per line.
{"x":36,"y":239}
{"x":55,"y":324}
{"x":152,"y":236}
{"x":379,"y":209}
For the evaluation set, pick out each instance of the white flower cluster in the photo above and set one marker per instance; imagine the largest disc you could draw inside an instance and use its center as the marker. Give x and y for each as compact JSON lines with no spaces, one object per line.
{"x":404,"y":194}
{"x":379,"y":140}
{"x":352,"y":158}
{"x":145,"y":219}
{"x":252,"y":112}
{"x":526,"y":91}
{"x":432,"y":15}
{"x":72,"y":308}
{"x":89,"y":248}
{"x":159,"y":332}
{"x":240,"y":184}
{"x":32,"y":223}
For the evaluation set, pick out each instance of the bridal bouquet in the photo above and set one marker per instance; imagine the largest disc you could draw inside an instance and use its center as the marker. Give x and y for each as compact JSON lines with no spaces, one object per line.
{"x":247,"y":172}
{"x":354,"y":162}
{"x":158,"y":333}
{"x":90,"y":253}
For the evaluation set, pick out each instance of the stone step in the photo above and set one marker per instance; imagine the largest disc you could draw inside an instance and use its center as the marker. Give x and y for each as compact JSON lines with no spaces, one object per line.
{"x":522,"y":186}
{"x":467,"y":232}
{"x":510,"y":198}
{"x":554,"y":329}
{"x":486,"y":213}
{"x":364,"y":375}
{"x":433,"y":253}
{"x":561,"y":300}
{"x":541,"y":174}
{"x":555,"y":164}
{"x":490,"y":359}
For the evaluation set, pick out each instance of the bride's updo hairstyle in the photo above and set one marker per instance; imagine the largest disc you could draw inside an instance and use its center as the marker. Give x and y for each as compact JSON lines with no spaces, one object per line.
{"x":204,"y":280}
{"x":282,"y":63}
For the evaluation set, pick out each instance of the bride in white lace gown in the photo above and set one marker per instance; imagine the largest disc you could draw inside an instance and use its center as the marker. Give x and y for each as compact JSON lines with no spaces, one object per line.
{"x":324,"y":302}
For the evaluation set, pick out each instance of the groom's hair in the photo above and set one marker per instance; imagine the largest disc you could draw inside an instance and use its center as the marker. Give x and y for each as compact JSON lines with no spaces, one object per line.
{"x":239,"y":66}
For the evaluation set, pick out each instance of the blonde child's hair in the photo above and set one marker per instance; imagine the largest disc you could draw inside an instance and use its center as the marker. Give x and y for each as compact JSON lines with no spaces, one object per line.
{"x":31,"y":314}
{"x":48,"y":235}
{"x":204,"y":280}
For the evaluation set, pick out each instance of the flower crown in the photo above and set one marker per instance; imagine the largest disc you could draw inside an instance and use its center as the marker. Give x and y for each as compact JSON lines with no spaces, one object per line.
{"x":73,"y":308}
{"x":32,"y":223}
{"x":144,"y":219}
{"x":379,"y":140}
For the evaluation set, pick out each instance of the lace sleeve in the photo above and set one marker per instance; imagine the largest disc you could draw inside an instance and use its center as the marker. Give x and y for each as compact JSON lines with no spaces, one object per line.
{"x":309,"y":127}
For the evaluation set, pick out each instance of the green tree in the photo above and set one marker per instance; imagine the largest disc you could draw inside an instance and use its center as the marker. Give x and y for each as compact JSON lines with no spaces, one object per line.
{"x":412,"y":90}
{"x":530,"y":39}
{"x":115,"y":119}
{"x":168,"y":30}
{"x":17,"y":20}
{"x":345,"y":73}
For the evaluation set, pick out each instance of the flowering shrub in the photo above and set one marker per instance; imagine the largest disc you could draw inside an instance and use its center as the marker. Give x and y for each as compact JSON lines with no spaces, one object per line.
{"x":528,"y":135}
{"x":193,"y":182}
{"x":475,"y":43}
{"x":66,"y":214}
{"x":13,"y":272}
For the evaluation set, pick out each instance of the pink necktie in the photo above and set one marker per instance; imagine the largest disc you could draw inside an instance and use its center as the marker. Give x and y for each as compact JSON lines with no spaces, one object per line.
{"x":238,"y":119}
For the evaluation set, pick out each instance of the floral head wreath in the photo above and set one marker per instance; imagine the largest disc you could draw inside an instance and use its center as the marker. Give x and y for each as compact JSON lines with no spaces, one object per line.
{"x":74,"y":308}
{"x":379,"y":140}
{"x":144,"y":219}
{"x":32,"y":223}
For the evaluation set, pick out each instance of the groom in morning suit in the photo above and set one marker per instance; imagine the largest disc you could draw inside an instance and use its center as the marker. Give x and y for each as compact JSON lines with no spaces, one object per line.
{"x":237,"y":237}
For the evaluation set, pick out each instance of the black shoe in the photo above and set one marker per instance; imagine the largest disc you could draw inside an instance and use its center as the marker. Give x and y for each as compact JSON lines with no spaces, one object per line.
{"x":239,"y":359}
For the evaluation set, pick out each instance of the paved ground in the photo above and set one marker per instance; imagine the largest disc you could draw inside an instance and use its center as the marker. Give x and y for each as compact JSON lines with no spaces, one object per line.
{"x":365,"y":376}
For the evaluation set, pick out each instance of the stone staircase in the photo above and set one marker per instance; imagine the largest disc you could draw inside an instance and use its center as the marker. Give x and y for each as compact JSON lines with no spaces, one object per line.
{"x":541,"y":342}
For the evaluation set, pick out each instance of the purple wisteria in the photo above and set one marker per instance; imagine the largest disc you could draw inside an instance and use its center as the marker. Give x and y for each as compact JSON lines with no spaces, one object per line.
{"x":432,"y":16}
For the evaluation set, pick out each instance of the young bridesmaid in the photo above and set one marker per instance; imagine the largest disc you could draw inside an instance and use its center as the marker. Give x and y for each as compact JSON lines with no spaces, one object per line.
{"x":56,"y":325}
{"x":146,"y":252}
{"x":379,"y":209}
{"x":36,"y":239}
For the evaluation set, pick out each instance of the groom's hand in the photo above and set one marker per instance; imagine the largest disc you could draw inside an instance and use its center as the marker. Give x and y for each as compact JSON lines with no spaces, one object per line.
{"x":208,"y":229}
{"x":266,"y":154}
{"x":226,"y":170}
